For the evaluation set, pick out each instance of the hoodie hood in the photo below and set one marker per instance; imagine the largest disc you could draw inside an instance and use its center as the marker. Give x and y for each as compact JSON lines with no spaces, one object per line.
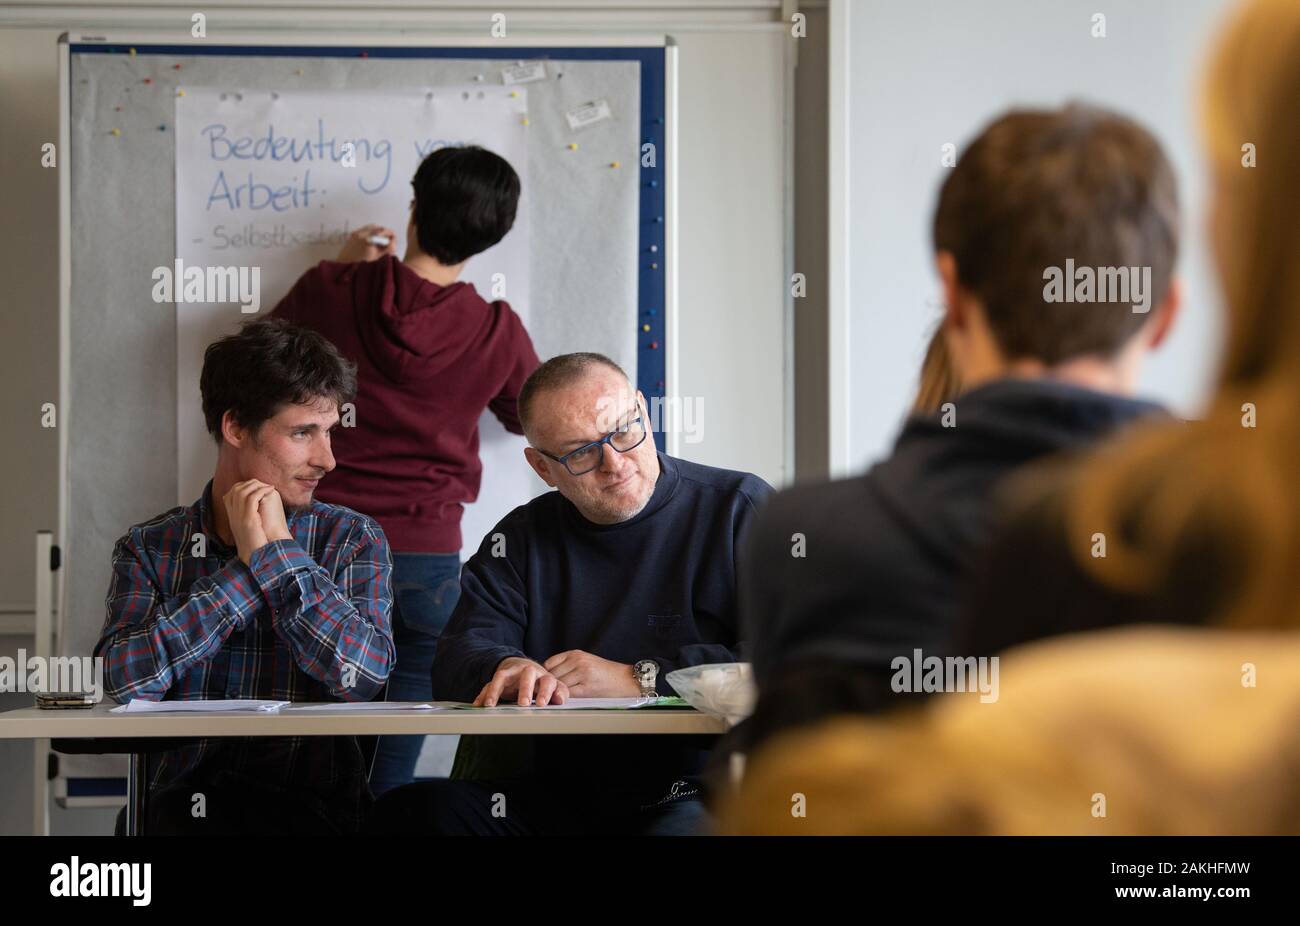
{"x":412,"y":328}
{"x":935,"y":483}
{"x":887,"y":553}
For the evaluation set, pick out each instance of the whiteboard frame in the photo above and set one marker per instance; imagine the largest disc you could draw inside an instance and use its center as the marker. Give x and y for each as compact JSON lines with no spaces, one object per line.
{"x":672,"y":434}
{"x":413,"y":38}
{"x":419,"y":39}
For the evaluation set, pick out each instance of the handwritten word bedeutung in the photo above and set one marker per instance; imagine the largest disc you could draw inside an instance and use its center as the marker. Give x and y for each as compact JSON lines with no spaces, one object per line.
{"x":323,"y":148}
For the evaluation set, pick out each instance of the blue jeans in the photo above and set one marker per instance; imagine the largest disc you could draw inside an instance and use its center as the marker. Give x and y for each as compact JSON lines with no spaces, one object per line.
{"x":426,"y":587}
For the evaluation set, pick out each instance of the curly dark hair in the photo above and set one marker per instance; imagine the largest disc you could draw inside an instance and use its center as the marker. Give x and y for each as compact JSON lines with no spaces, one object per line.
{"x":270,"y":363}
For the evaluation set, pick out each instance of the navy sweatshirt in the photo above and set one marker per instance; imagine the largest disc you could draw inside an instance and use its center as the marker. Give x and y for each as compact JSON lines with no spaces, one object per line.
{"x":661,"y":585}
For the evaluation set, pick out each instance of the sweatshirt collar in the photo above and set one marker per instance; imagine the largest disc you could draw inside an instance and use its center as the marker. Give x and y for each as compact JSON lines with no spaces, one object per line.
{"x":1033,"y":410}
{"x":665,"y":488}
{"x":208,"y":523}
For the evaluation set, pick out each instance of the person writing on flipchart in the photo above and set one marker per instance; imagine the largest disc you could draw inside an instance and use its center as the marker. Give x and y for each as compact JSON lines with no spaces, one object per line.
{"x":256,"y":591}
{"x":432,"y":355}
{"x":597,"y":590}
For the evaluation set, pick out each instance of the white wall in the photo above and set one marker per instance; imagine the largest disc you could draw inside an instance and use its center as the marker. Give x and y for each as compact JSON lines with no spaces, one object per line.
{"x":925,"y":72}
{"x":29,"y":261}
{"x":732,"y":289}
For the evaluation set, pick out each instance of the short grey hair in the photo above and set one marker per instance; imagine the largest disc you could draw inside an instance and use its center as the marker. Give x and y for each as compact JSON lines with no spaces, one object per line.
{"x":558,"y":372}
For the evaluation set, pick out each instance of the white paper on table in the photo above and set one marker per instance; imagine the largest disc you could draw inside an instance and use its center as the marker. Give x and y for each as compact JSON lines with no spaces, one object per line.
{"x":366,"y":706}
{"x":587,"y":704}
{"x":139,"y":706}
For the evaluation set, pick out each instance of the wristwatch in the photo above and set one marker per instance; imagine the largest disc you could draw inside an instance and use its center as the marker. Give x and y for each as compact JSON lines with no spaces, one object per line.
{"x":645,"y":672}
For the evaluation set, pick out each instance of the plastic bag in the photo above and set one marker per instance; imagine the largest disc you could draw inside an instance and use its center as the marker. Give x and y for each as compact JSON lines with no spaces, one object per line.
{"x":723,"y":689}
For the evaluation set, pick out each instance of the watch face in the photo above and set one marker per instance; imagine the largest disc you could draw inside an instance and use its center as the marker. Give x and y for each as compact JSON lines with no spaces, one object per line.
{"x":646,"y":669}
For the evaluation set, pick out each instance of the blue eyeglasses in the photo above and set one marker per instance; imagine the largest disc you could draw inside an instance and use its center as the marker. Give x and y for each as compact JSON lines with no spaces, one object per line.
{"x":587,"y":457}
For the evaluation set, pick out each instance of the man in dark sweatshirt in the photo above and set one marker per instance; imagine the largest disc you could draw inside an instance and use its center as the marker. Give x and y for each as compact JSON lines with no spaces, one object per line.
{"x":431,"y":355}
{"x":843,"y":582}
{"x":597,"y":590}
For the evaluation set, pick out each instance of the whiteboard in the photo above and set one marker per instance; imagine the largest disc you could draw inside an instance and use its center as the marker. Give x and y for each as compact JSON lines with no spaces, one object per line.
{"x":120,"y":225}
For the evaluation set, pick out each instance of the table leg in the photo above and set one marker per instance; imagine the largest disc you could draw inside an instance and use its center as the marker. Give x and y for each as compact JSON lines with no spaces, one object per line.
{"x":134,"y":791}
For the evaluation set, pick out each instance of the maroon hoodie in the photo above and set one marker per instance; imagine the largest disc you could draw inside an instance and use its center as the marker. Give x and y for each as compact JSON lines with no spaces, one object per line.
{"x":429,"y":359}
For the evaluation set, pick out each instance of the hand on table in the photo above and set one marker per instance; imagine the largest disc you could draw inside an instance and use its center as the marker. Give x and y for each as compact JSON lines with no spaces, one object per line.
{"x":588,"y":676}
{"x":525,"y":681}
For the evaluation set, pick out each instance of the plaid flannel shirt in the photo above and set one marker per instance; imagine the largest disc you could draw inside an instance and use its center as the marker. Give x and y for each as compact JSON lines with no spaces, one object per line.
{"x":308,"y":619}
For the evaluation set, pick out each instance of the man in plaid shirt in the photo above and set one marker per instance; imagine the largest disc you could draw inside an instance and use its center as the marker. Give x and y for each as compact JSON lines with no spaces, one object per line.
{"x":257,"y":591}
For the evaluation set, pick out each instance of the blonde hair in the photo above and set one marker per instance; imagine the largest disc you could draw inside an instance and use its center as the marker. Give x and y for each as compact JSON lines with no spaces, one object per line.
{"x":1218,"y":484}
{"x":939,"y":383}
{"x":1150,"y":711}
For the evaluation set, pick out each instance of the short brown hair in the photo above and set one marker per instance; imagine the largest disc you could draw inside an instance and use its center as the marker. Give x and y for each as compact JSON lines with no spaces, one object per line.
{"x":267,"y":364}
{"x":558,"y":372}
{"x":1038,"y":187}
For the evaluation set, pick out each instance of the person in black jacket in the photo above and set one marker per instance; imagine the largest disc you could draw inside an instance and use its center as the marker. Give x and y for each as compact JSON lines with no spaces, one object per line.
{"x":841,"y":581}
{"x":1196,"y":523}
{"x":597,"y":590}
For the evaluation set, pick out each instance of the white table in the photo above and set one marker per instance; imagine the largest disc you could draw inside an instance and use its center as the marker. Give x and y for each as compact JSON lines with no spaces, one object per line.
{"x":98,"y":723}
